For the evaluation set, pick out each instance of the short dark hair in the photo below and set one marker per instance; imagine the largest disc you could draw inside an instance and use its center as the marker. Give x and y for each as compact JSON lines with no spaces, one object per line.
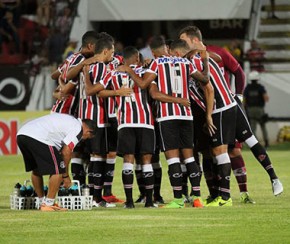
{"x":105,"y":35}
{"x":191,"y":31}
{"x":92,"y":125}
{"x":168,"y":42}
{"x":89,"y":37}
{"x":102,"y":44}
{"x":157,"y":42}
{"x":179,"y":44}
{"x":129,"y":51}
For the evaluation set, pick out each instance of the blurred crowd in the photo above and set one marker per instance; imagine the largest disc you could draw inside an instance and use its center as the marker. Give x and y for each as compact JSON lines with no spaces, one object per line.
{"x":35,"y":31}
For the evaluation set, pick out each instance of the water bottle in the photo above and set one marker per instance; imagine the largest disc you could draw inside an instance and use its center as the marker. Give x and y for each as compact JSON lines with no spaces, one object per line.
{"x":22,"y":191}
{"x":74,"y":190}
{"x":45,"y":189}
{"x":29,"y":191}
{"x":16,"y":191}
{"x":86,"y":191}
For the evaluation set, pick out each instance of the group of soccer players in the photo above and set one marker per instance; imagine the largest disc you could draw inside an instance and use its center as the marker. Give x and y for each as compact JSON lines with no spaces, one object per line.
{"x":177,"y":100}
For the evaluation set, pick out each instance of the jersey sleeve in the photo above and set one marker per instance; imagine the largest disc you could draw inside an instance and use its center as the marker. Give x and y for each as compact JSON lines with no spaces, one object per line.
{"x":153,"y":67}
{"x":230,"y":63}
{"x":73,"y":137}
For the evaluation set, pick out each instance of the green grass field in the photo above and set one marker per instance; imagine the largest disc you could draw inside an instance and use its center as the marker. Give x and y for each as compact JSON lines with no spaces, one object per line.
{"x":268,"y":221}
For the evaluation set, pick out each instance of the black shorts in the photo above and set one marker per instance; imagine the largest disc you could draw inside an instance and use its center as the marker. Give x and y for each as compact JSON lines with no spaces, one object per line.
{"x":175,"y":134}
{"x":201,"y":140}
{"x":136,"y":141}
{"x":99,"y":143}
{"x":225,"y":122}
{"x":112,"y":134}
{"x":39,"y":157}
{"x":243,"y":128}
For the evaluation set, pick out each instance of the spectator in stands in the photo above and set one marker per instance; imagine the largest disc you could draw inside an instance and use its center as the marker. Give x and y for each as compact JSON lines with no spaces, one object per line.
{"x":37,"y":41}
{"x":64,"y":22}
{"x":70,"y":49}
{"x":9,"y":32}
{"x":255,"y":98}
{"x":14,"y":7}
{"x":43,"y":12}
{"x":235,"y":49}
{"x":256,"y":57}
{"x":55,"y":45}
{"x":273,"y":16}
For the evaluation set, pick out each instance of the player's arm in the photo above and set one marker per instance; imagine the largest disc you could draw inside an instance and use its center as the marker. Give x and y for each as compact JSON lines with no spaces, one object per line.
{"x":55,"y":74}
{"x":75,"y":70}
{"x":209,"y":103}
{"x":91,"y":89}
{"x":122,"y":92}
{"x":217,"y":58}
{"x":65,"y":88}
{"x":142,"y":82}
{"x":159,"y":96}
{"x":66,"y":153}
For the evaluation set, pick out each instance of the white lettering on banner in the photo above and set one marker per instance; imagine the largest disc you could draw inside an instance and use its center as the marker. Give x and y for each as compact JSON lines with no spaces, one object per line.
{"x":20,"y":91}
{"x":222,"y":24}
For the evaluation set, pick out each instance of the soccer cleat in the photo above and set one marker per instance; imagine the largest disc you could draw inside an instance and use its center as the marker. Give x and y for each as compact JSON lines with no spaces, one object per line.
{"x":187,"y":199}
{"x":245,"y":198}
{"x":208,"y":200}
{"x":141,"y":199}
{"x":151,"y":205}
{"x":176,"y":203}
{"x":103,"y":204}
{"x":219,"y":202}
{"x":112,"y":199}
{"x":197,"y":202}
{"x":277,"y":187}
{"x":158,"y":200}
{"x":53,"y":208}
{"x":129,"y":205}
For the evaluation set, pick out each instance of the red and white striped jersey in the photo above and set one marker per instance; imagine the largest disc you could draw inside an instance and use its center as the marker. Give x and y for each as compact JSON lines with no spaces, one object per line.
{"x":133,"y":111}
{"x":93,"y":107}
{"x":69,"y":106}
{"x":117,"y":60}
{"x":223,"y":98}
{"x":173,"y":74}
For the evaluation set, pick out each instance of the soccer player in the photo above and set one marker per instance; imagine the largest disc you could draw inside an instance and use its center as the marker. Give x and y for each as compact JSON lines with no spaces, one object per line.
{"x":135,"y":127}
{"x":230,"y":65}
{"x":68,"y":104}
{"x":112,"y":139}
{"x":223,"y":115}
{"x":174,"y":119}
{"x":46,"y":144}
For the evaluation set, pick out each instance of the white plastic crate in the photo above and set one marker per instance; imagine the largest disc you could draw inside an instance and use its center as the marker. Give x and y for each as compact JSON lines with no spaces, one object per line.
{"x":76,"y":202}
{"x":21,"y":203}
{"x":70,"y":202}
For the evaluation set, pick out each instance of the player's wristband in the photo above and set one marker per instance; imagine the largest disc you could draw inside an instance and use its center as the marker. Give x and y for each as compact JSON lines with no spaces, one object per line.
{"x":65,"y":176}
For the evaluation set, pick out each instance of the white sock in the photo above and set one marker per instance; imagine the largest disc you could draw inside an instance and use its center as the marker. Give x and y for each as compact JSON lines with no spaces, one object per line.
{"x":49,"y":201}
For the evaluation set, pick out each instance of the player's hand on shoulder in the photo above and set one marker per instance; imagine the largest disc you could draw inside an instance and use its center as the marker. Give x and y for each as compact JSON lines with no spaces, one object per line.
{"x":185,"y":102}
{"x":124,"y":91}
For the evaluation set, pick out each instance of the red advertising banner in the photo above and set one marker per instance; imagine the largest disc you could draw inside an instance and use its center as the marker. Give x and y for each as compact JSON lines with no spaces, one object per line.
{"x":10,"y":123}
